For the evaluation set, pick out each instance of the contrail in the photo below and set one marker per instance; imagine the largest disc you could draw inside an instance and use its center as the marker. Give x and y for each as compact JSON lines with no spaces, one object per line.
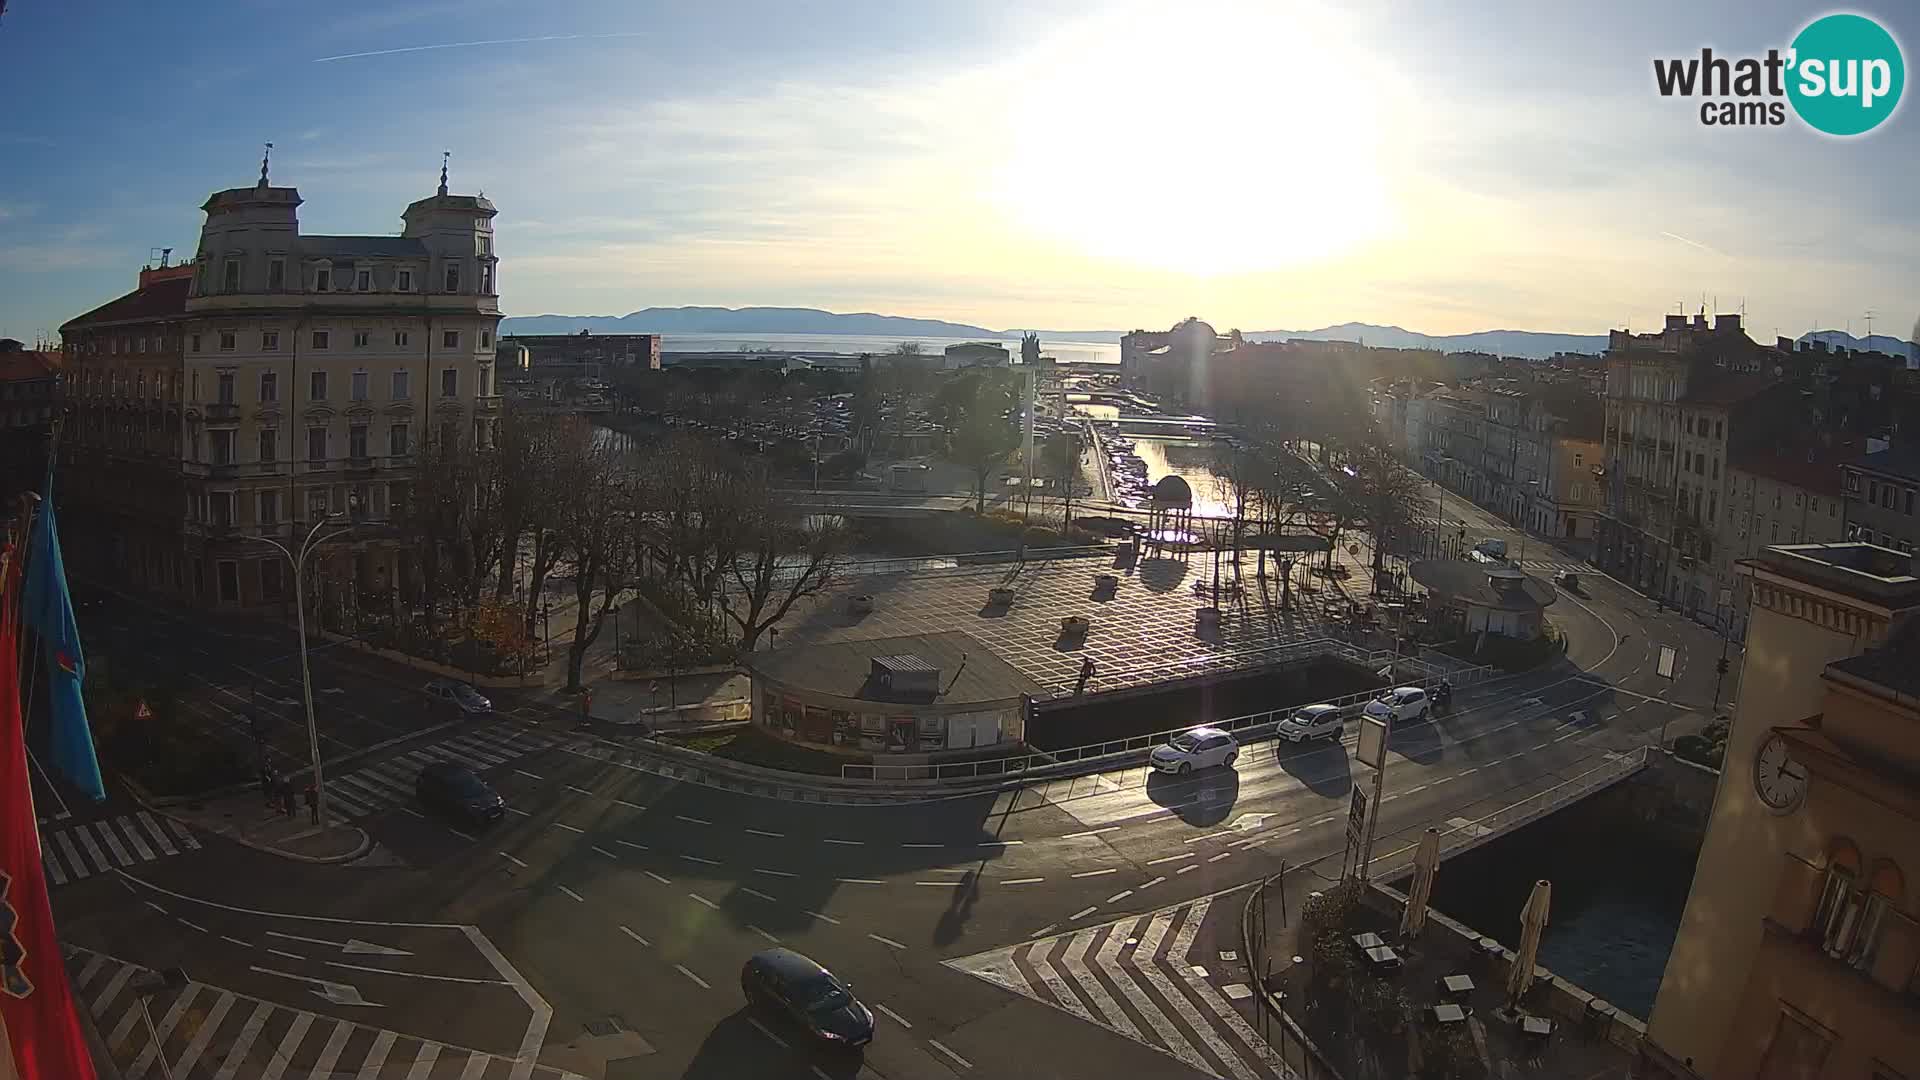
{"x":471,"y":44}
{"x":1684,"y":240}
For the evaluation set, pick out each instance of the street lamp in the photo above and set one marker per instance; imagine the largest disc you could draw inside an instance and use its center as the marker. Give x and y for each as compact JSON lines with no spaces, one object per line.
{"x":299,"y":560}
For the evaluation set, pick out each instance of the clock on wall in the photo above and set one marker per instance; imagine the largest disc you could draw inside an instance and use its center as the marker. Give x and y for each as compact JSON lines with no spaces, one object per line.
{"x":1779,"y":780}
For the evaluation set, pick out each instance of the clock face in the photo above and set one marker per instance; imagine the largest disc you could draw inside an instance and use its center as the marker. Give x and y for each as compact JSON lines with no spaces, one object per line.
{"x":1780,"y":781}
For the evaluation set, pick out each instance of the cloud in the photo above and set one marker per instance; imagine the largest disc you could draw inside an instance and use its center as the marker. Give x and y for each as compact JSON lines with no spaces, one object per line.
{"x":474,"y":44}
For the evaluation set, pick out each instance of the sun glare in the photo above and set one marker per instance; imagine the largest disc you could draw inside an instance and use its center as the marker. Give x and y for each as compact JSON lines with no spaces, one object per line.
{"x":1209,"y":138}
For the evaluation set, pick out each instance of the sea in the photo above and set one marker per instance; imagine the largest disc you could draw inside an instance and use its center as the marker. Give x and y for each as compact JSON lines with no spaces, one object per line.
{"x":1066,"y":352}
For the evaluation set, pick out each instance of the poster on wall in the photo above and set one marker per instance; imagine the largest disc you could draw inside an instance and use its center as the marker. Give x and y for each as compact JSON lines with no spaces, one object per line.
{"x":933,"y":732}
{"x":816,"y":725}
{"x":873,"y":731}
{"x":846,"y":728}
{"x":902,"y":737}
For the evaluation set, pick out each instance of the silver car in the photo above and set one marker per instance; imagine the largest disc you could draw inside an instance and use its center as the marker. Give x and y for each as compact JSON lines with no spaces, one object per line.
{"x":459,"y":696}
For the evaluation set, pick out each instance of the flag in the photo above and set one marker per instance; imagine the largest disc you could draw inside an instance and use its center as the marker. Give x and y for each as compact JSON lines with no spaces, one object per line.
{"x":49,"y":611}
{"x":42,"y":1036}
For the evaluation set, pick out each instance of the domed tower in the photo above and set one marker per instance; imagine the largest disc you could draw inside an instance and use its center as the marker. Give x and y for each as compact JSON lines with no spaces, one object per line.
{"x":246,"y":241}
{"x":458,"y":233}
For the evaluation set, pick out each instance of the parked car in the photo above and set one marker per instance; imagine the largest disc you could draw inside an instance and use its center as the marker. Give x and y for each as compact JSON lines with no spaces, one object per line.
{"x":788,"y":983}
{"x":460,"y":697}
{"x":1402,"y":704}
{"x":1310,"y":722}
{"x":1492,"y":546}
{"x":1199,"y":748}
{"x":457,"y":792}
{"x":1568,"y":580}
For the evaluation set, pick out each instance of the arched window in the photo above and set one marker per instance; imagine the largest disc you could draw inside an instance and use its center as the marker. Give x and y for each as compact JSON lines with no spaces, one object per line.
{"x":1884,"y":891}
{"x":1839,"y":909}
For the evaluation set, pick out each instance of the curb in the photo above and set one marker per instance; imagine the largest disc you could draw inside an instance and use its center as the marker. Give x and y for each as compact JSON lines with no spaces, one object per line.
{"x":360,"y":849}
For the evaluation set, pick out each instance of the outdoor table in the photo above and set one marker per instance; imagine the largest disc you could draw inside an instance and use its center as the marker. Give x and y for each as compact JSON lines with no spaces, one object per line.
{"x":1536,"y":1027}
{"x":1383,"y":958}
{"x":1455,"y":986}
{"x":1368,"y":940}
{"x":1447,"y":1014}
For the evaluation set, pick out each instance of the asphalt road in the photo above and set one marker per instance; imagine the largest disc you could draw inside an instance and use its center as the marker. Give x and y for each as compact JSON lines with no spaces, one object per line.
{"x":605,"y":918}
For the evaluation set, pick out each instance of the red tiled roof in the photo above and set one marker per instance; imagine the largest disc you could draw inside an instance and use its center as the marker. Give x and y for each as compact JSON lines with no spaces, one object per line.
{"x":1813,"y":466}
{"x":159,"y":300}
{"x":27,"y":364}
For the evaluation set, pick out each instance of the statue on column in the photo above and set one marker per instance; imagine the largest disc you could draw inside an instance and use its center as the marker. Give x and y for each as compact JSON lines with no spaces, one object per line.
{"x":1030,"y":348}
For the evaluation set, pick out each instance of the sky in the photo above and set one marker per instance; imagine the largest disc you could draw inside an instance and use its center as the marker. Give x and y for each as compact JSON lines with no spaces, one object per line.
{"x":1263,"y":164}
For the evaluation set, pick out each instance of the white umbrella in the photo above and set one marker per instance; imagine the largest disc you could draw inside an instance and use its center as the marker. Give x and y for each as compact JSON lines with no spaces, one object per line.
{"x":1426,"y":863}
{"x":1533,"y":922}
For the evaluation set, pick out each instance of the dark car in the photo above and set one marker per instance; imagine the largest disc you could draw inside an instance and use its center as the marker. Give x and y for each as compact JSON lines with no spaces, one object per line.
{"x":458,"y":792}
{"x":784,"y":981}
{"x":459,"y":697}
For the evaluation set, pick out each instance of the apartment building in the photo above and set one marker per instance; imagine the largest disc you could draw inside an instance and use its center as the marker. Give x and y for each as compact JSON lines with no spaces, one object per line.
{"x":278,"y":380}
{"x":1786,"y":494}
{"x":1799,"y":950}
{"x":29,"y":394}
{"x":1880,"y":489}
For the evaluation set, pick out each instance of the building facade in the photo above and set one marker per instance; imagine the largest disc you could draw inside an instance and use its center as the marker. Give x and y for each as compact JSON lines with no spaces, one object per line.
{"x":587,"y":355}
{"x":277,"y":381}
{"x":1789,"y":495}
{"x":29,"y":396}
{"x":1879,"y":490}
{"x":1799,"y":949}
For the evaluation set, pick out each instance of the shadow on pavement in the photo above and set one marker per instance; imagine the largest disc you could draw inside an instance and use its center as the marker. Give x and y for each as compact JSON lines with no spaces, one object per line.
{"x":734,"y":1048}
{"x":1420,"y":740}
{"x":1323,"y":769}
{"x":1201,"y":798}
{"x":954,"y":919}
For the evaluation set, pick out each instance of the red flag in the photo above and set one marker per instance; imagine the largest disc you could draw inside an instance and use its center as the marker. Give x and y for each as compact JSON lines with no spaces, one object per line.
{"x":36,"y":1004}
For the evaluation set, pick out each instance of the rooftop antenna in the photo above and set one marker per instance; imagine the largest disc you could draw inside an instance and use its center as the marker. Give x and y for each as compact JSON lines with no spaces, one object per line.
{"x":445,"y":155}
{"x":1869,"y":323}
{"x":266,"y":157}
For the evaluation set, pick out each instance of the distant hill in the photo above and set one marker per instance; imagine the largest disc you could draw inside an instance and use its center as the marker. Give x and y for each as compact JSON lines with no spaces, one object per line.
{"x":751,"y":320}
{"x":1532,"y":343}
{"x":1876,"y":342}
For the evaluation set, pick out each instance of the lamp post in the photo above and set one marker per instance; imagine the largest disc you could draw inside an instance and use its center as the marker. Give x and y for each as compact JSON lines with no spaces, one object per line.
{"x":299,"y":560}
{"x":147,"y":984}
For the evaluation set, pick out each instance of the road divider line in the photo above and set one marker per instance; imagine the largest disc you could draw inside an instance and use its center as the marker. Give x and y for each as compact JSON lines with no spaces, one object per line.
{"x":764,"y":1030}
{"x":418,"y":974}
{"x":631,"y":844}
{"x":771,"y":873}
{"x":763,"y":832}
{"x":758,"y":893}
{"x":1023,"y":881}
{"x":1096,"y":873}
{"x":770,"y":938}
{"x":999,"y":843}
{"x":528,"y":775}
{"x":691,"y":820}
{"x":1170,"y":858}
{"x":411,"y":812}
{"x":1119,"y":896}
{"x":821,"y":1073}
{"x":631,"y":805}
{"x":569,"y":828}
{"x":887,"y":941}
{"x":513,"y":860}
{"x":578,"y":788}
{"x":237,"y":941}
{"x":701,"y":861}
{"x":697,"y":980}
{"x":468,"y":837}
{"x":605,"y":852}
{"x":939,"y":884}
{"x":1045,"y":930}
{"x":1091,"y":832}
{"x":628,"y":930}
{"x":842,"y":843}
{"x":858,"y":881}
{"x":285,"y":953}
{"x":1184,"y":869}
{"x":1083,"y":913}
{"x":894,"y":1016}
{"x":923,"y":845}
{"x":703,"y":901}
{"x":575,"y":895}
{"x":828,"y":919}
{"x":517,"y":810}
{"x":658,"y":878}
{"x":958,"y":1060}
{"x":1152,"y":883}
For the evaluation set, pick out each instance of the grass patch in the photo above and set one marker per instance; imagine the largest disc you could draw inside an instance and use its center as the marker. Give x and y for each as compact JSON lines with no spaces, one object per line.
{"x":751,"y":746}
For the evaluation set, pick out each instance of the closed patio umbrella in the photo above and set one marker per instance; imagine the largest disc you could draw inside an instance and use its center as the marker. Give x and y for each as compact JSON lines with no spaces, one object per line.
{"x":1533,"y":922}
{"x":1426,"y":863}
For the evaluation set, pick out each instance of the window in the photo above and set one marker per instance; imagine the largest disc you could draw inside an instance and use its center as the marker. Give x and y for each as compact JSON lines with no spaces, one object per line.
{"x":450,"y":339}
{"x":1909,"y":502}
{"x":360,"y":339}
{"x":1699,"y":465}
{"x":486,"y":279}
{"x":268,"y":449}
{"x":397,"y":498}
{"x":357,"y":442}
{"x":1873,"y":491}
{"x":485,"y":245}
{"x":277,"y":274}
{"x":486,"y":379}
{"x":450,"y":382}
{"x":323,"y":280}
{"x":404,"y":283}
{"x":397,"y":440}
{"x":363,"y":281}
{"x":223,"y":388}
{"x":270,"y":341}
{"x":1796,"y":498}
{"x":449,"y":435}
{"x":226,"y":341}
{"x":220,"y":507}
{"x":319,"y":339}
{"x":230,"y":281}
{"x":1774,"y":531}
{"x":1776,"y":500}
{"x":269,"y":507}
{"x":1813,"y":504}
{"x":1716,"y":468}
{"x":316,"y":444}
{"x":193,"y":341}
{"x":1886,"y":496}
{"x":270,"y":579}
{"x":400,"y":339}
{"x":316,"y":503}
{"x":453,"y":278}
{"x":1576,"y":456}
{"x":486,"y":342}
{"x":269,"y":387}
{"x":220,"y":444}
{"x":1798,"y":1050}
{"x":359,"y":386}
{"x":317,"y":386}
{"x":1719,"y":429}
{"x":401,"y":389}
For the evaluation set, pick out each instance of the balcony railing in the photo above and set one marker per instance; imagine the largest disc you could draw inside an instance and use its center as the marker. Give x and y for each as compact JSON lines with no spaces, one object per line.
{"x":218,"y":412}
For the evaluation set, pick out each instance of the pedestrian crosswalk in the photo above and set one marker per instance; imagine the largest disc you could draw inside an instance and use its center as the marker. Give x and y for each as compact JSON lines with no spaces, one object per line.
{"x":1555,"y":565}
{"x":1136,"y":977}
{"x":213,"y":1034}
{"x":389,"y":782}
{"x":94,"y":847}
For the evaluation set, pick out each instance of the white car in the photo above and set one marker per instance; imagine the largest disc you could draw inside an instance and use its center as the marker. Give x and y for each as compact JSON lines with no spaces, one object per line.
{"x":459,"y":697}
{"x":1402,"y":704}
{"x":1310,"y":722}
{"x":1199,"y":748}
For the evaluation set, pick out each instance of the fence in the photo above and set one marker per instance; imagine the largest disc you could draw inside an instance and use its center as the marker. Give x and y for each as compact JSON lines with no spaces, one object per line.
{"x":1251,"y":729}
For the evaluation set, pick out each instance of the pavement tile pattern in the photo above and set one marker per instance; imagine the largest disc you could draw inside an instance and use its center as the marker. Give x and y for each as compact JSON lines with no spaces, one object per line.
{"x":1138,"y":976}
{"x":95,"y":847}
{"x":214,"y":1034}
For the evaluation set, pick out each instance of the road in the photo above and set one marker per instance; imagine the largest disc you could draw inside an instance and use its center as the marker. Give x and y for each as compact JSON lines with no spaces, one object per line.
{"x":1052,"y":931}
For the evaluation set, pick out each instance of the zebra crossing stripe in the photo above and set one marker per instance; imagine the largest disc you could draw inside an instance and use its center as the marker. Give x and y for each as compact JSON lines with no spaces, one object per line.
{"x":112,"y":990}
{"x":377,"y":1057}
{"x":1076,"y":962}
{"x":52,"y":864}
{"x":423,"y":1062}
{"x":99,"y":859}
{"x":154,"y":830}
{"x":87,"y":973}
{"x":1169,"y":1032}
{"x":168,"y":1021}
{"x":113,"y":844}
{"x":323,"y":1065}
{"x":133,"y":837}
{"x":78,"y":864}
{"x":476,"y":1068}
{"x":290,"y":1042}
{"x":250,"y":1031}
{"x":186,"y":838}
{"x":203,"y":1035}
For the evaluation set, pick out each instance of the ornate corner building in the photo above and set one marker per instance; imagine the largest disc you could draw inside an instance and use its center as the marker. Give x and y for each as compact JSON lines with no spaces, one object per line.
{"x":277,"y":380}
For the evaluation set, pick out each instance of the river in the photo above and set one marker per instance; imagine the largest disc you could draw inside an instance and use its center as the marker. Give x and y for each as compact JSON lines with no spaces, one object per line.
{"x":1066,"y":352}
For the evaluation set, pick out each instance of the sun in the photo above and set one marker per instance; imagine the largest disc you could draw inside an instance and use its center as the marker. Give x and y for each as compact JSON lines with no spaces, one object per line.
{"x":1202,"y":138}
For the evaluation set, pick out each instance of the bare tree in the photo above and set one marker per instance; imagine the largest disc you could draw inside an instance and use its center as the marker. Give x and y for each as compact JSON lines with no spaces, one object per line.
{"x":783,"y":557}
{"x":591,"y":530}
{"x":1060,"y":456}
{"x":435,"y":515}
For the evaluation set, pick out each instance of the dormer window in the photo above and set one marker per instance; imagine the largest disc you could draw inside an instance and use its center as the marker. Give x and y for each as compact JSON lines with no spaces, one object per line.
{"x":363,"y":281}
{"x":453,"y":278}
{"x":323,"y":279}
{"x":405,"y":282}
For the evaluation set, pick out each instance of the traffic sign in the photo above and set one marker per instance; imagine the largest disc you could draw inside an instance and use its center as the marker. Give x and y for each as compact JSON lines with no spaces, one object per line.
{"x":141,"y":712}
{"x":1357,"y":817}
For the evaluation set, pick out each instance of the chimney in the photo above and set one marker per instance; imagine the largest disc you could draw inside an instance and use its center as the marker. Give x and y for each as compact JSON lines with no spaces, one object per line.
{"x":1676,"y":322}
{"x":1784,"y":344}
{"x":1700,"y":321}
{"x":1726,"y":323}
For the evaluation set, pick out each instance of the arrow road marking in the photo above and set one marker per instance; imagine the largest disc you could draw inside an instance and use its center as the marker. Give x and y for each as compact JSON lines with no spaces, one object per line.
{"x":337,"y":993}
{"x":352,"y":946}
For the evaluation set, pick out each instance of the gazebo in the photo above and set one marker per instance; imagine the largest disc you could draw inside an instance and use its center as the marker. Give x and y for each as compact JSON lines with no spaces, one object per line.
{"x":1170,"y":513}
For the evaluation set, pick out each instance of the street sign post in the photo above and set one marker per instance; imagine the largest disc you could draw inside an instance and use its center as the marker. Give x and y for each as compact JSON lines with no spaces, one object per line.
{"x":1357,"y":818}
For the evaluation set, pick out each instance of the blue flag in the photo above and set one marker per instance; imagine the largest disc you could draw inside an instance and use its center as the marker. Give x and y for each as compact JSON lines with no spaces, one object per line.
{"x":48,"y":609}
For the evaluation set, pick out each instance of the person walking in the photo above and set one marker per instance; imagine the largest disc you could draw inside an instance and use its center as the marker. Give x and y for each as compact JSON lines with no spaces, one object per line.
{"x":313,"y":805}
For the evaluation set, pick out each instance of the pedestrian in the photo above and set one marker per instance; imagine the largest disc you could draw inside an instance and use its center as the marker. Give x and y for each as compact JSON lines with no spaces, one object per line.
{"x":267,"y":779}
{"x":313,"y":805}
{"x":283,"y":797}
{"x":586,"y":706}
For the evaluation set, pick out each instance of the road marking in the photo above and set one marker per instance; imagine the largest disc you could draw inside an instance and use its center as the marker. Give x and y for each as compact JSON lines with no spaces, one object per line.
{"x":1096,"y":873}
{"x":998,"y":843}
{"x":1119,"y":896}
{"x":765,"y":1030}
{"x":771,"y":873}
{"x":823,"y":918}
{"x":517,"y":810}
{"x":411,"y":812}
{"x":758,"y":893}
{"x":1542,"y":746}
{"x":464,"y":836}
{"x":1569,"y":735}
{"x":704,"y":901}
{"x":703,"y":862}
{"x":528,"y":775}
{"x":1184,"y":869}
{"x":237,"y":941}
{"x":692,"y":820}
{"x":894,"y":1016}
{"x":763,"y":832}
{"x":1045,"y":930}
{"x":698,"y":981}
{"x":150,"y":903}
{"x":288,"y":955}
{"x":1222,"y":855}
{"x":939,"y":884}
{"x":923,"y":845}
{"x":513,"y":860}
{"x":1170,"y":858}
{"x":1091,"y":832}
{"x":1023,"y":881}
{"x":605,"y":852}
{"x":1083,"y":913}
{"x":1414,"y":790}
{"x":631,"y":844}
{"x":628,"y":930}
{"x":770,"y":938}
{"x":564,"y":825}
{"x":938,"y":1045}
{"x":658,"y":878}
{"x":1152,"y":883}
{"x":821,"y":1073}
{"x":633,"y":805}
{"x":573,"y":894}
{"x":886,"y":941}
{"x":581,"y":790}
{"x":415,"y":974}
{"x":859,"y":881}
{"x":843,"y":843}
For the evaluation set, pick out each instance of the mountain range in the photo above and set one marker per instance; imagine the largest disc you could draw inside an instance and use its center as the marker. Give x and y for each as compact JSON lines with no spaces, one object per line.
{"x":813,"y":322}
